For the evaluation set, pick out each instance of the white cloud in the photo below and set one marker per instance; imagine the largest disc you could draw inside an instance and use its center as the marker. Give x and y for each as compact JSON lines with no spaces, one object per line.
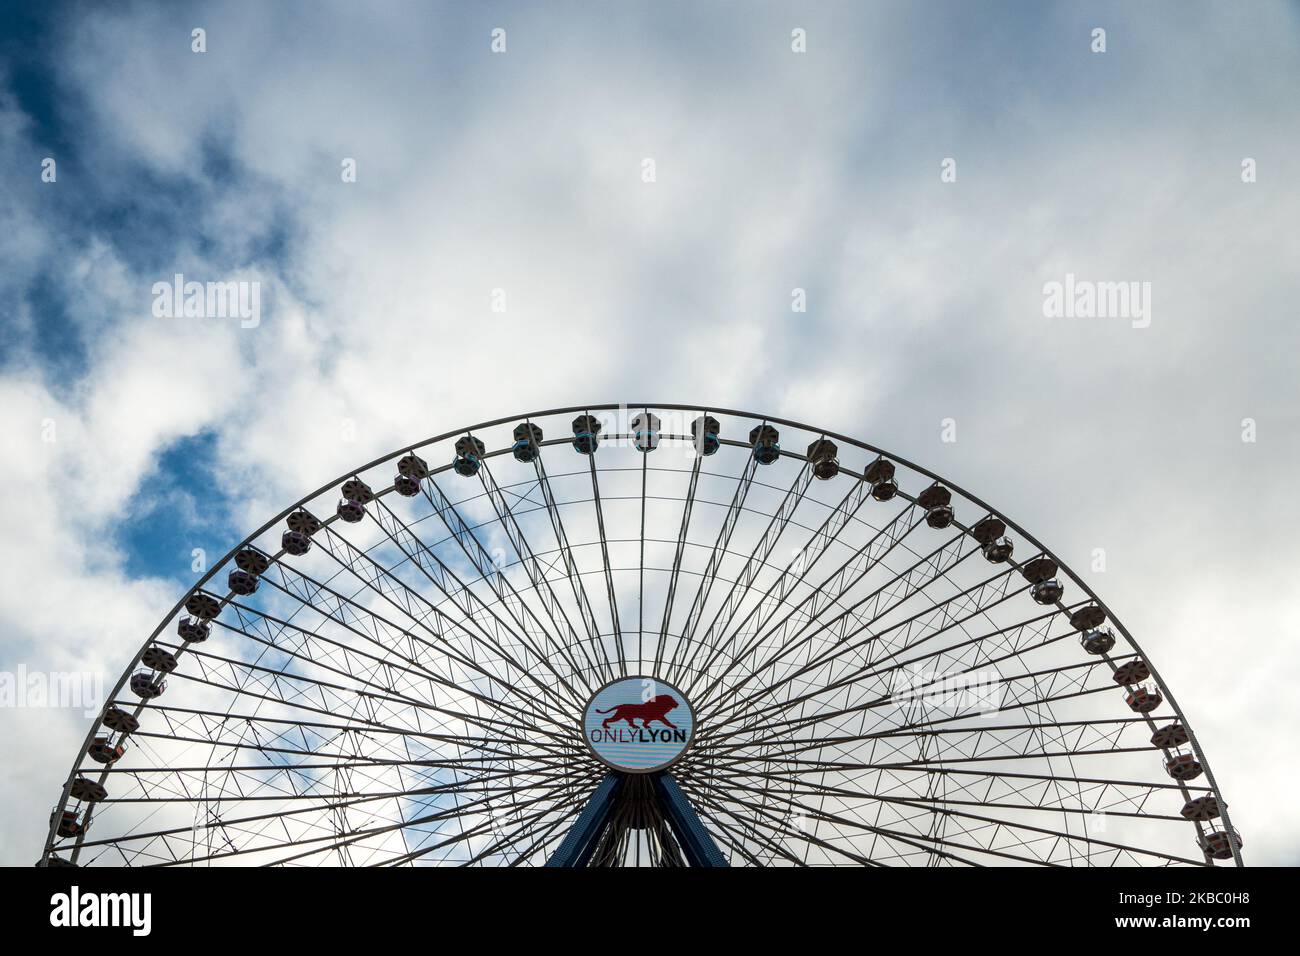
{"x":523,"y":173}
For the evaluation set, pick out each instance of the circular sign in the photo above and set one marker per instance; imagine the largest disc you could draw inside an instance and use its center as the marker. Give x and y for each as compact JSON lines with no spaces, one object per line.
{"x":638,"y":724}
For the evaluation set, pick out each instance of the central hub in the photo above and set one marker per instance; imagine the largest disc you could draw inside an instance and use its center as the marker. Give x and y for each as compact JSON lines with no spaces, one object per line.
{"x":638,"y":724}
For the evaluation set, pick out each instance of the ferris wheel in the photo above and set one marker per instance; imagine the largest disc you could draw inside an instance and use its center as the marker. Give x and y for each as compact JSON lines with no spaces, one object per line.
{"x":630,"y":635}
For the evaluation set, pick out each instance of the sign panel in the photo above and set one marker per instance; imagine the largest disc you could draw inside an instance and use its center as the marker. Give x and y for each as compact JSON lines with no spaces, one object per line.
{"x":638,"y":724}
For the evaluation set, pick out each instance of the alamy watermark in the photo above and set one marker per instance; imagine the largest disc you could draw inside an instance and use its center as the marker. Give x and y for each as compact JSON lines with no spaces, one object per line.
{"x":74,"y":909}
{"x":979,"y":691}
{"x":52,"y":689}
{"x":1085,"y":299}
{"x":209,"y":300}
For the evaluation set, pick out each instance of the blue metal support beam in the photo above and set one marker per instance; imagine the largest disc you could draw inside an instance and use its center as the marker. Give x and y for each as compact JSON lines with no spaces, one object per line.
{"x":580,"y":842}
{"x":697,"y":845}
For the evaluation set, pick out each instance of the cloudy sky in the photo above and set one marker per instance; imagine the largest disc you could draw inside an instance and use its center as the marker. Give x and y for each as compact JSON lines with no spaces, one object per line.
{"x":621,"y":205}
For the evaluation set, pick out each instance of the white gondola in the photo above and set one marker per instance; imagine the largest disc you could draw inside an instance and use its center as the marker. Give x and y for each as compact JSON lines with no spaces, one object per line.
{"x":252,"y":561}
{"x":241,"y":582}
{"x":354,"y":489}
{"x":940,"y":516}
{"x":1087,"y":617}
{"x":91,"y":791}
{"x":1183,"y":766}
{"x":192,"y":630}
{"x":528,"y":442}
{"x":102,"y":750}
{"x":824,"y":457}
{"x":295,"y":543}
{"x":469,"y":456}
{"x":1204,"y":808}
{"x":146,"y":686}
{"x":68,"y":823}
{"x":766,"y":442}
{"x":998,"y":550}
{"x":351,"y":511}
{"x":705,"y":431}
{"x":645,"y":431}
{"x":987,"y":529}
{"x":1039,"y":569}
{"x":203,"y":606}
{"x":1047,"y":592}
{"x":1143,"y":699}
{"x":119,"y":720}
{"x":586,"y":434}
{"x":413,"y":466}
{"x":880,"y":470}
{"x":158,"y":659}
{"x":1219,"y":843}
{"x":1170,"y":736}
{"x":1132,"y":672}
{"x":935,"y":496}
{"x":304,"y":522}
{"x":884,"y":490}
{"x":1098,"y":641}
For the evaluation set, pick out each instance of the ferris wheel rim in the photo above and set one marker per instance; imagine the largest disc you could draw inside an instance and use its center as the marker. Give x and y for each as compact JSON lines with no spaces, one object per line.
{"x":1011,"y":523}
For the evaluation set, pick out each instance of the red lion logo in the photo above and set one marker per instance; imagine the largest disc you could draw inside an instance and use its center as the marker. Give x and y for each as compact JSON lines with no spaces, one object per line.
{"x":651,"y":710}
